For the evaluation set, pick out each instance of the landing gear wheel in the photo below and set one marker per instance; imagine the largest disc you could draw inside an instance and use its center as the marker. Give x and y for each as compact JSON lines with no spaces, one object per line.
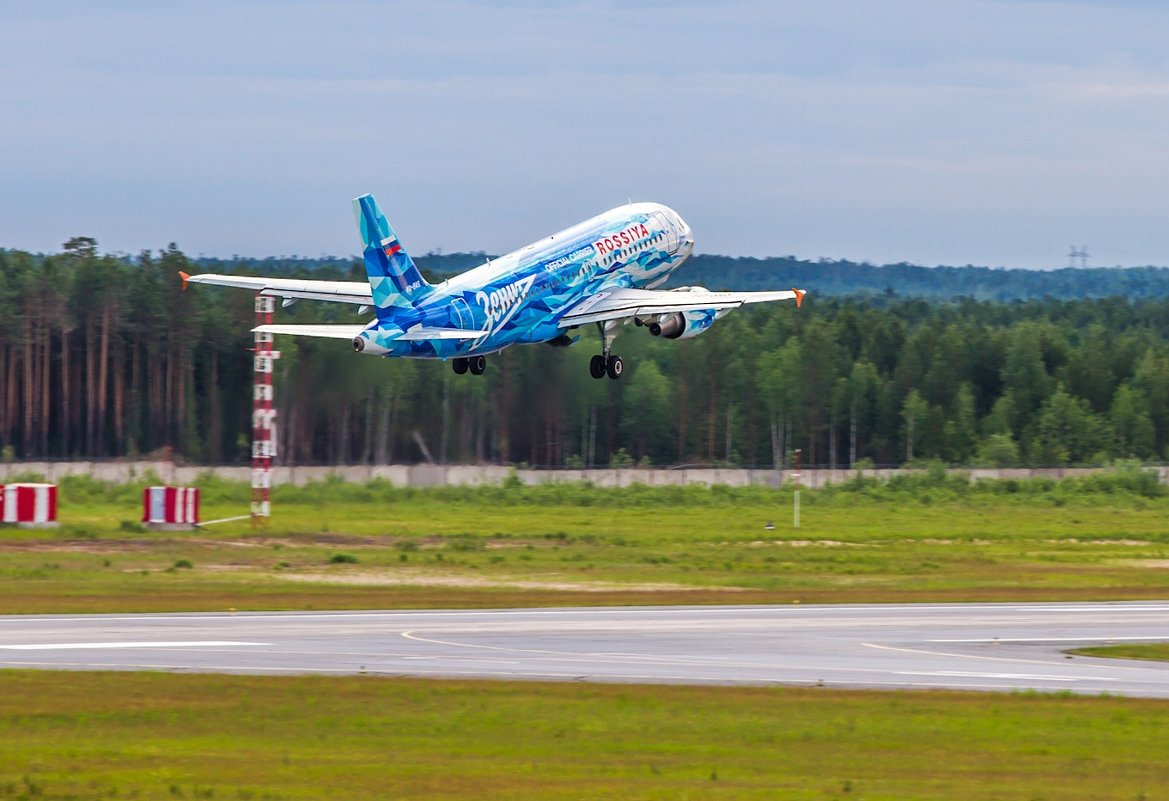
{"x":614,"y":367}
{"x":459,"y":365}
{"x":477,"y":364}
{"x":597,"y":366}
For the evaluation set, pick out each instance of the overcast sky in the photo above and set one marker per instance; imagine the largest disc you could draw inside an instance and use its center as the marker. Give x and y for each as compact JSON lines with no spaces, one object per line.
{"x":932,"y":131}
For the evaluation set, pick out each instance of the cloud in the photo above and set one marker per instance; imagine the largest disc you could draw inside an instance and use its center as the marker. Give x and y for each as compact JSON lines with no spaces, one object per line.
{"x":947,"y":131}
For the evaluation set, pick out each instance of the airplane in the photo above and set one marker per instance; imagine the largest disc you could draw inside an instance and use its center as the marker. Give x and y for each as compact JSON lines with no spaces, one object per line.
{"x":604,"y":271}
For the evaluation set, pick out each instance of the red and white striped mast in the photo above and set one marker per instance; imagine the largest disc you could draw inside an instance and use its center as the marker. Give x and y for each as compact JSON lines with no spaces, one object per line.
{"x":263,"y":413}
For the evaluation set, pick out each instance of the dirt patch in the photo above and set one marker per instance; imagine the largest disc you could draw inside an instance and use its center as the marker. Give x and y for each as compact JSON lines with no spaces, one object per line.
{"x":1133,"y":543}
{"x":201,"y":568}
{"x":800,"y":544}
{"x":340,"y":539}
{"x":258,"y":543}
{"x":819,"y":544}
{"x":85,"y":546}
{"x":496,"y":545}
{"x":417,"y":578}
{"x":1156,"y":564}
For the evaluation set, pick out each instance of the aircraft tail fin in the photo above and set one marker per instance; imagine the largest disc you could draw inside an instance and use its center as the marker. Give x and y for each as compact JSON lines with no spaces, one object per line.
{"x":394,"y":279}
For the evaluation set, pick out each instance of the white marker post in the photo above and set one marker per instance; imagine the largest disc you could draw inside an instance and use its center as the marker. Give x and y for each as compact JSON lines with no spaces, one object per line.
{"x":796,"y":496}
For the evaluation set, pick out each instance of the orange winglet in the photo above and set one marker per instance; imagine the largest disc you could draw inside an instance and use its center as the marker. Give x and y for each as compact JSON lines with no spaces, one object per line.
{"x":799,"y":296}
{"x":185,"y":278}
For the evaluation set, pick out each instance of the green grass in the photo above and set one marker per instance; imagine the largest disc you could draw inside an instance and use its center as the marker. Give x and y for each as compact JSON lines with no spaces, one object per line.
{"x":152,"y":735}
{"x":337,"y":546}
{"x":332,"y":546}
{"x":1158,"y":652}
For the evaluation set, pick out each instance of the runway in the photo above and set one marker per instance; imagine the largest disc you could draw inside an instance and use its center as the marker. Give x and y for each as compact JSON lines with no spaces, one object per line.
{"x":1003,"y":647}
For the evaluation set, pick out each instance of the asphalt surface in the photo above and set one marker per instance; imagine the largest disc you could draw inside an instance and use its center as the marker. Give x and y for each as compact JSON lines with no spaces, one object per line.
{"x":1001,"y":647}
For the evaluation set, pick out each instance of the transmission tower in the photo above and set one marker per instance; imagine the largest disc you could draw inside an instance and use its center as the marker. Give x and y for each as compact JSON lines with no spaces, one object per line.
{"x":1078,"y":257}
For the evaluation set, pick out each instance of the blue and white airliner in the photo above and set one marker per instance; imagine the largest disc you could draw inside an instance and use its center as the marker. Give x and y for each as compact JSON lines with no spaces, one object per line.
{"x":602,"y":271}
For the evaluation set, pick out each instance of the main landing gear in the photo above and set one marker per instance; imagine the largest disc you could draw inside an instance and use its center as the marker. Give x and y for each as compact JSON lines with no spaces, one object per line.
{"x":476,"y":364}
{"x":606,"y":364}
{"x":601,"y":366}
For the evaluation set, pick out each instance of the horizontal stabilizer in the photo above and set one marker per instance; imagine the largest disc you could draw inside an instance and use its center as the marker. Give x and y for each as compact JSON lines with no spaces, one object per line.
{"x":417,"y":333}
{"x":326,"y":331}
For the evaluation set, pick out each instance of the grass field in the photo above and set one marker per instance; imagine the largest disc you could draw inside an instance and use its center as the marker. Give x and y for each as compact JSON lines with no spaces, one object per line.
{"x":1158,"y":652}
{"x":334,"y":546}
{"x":149,"y":735}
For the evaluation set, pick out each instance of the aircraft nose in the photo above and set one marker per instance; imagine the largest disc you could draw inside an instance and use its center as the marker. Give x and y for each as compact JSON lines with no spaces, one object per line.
{"x":685,"y":235}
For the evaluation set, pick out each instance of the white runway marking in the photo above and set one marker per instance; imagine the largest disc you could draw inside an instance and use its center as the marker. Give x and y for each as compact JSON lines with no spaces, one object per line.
{"x":956,"y":656}
{"x":975,"y":675}
{"x":68,"y":646}
{"x":1058,"y":639}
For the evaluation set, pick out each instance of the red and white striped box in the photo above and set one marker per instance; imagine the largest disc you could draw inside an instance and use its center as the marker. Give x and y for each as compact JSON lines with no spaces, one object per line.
{"x":172,"y":508}
{"x":29,"y":505}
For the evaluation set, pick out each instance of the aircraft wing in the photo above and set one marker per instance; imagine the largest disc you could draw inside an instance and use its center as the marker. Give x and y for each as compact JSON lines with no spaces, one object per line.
{"x":617,"y":304}
{"x":298,"y":288}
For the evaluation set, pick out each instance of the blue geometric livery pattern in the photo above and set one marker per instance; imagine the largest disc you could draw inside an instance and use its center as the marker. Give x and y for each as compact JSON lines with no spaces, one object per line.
{"x":604,"y":271}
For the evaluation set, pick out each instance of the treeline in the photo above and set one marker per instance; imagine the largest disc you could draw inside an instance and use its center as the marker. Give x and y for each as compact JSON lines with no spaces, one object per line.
{"x":836,"y":277}
{"x":433,"y":264}
{"x":823,"y":277}
{"x":105,"y":357}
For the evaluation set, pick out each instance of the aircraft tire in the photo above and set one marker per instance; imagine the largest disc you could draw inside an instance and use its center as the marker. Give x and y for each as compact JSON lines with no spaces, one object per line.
{"x":477,"y":364}
{"x":459,"y":365}
{"x":615,"y":367}
{"x":597,"y":366}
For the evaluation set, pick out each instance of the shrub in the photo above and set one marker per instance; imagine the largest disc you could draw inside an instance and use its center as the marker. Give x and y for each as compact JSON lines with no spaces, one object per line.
{"x":998,"y":450}
{"x":466,"y":542}
{"x":342,"y":559}
{"x":621,"y":459}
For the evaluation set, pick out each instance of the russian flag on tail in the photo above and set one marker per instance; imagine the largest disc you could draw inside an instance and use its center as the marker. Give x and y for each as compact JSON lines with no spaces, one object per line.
{"x":394,"y":280}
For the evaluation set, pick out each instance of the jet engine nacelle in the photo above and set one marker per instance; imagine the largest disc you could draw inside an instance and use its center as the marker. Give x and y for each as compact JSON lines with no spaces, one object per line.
{"x":366,"y":343}
{"x":683,"y":325}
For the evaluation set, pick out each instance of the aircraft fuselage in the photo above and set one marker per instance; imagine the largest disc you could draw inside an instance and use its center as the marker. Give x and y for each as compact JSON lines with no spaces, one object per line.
{"x":520,"y":297}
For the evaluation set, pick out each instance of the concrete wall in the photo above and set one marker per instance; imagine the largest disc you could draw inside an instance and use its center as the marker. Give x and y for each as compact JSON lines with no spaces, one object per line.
{"x":476,"y":475}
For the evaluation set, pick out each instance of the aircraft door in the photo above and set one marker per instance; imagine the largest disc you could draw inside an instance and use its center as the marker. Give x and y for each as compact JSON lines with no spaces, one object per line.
{"x":667,"y":228}
{"x":461,"y":314}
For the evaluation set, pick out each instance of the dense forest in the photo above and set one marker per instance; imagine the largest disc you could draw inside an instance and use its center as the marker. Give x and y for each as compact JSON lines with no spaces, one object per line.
{"x":833,"y":277}
{"x":824,"y":277}
{"x":105,"y":357}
